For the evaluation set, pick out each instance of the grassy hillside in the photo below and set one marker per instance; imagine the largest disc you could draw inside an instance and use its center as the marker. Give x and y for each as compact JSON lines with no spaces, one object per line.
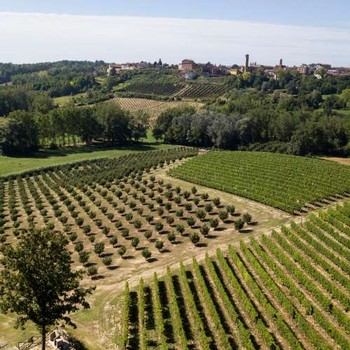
{"x":14,"y":165}
{"x":282,"y":181}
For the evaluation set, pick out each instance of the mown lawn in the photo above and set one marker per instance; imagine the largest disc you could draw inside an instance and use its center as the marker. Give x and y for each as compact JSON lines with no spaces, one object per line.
{"x":14,"y":165}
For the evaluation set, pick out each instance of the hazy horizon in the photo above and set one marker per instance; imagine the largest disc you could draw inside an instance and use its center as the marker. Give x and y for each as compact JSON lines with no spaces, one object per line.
{"x":43,"y":37}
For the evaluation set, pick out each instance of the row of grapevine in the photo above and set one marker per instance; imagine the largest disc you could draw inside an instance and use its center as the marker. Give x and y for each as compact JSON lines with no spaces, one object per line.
{"x":273,"y":292}
{"x":282,"y":181}
{"x":191,"y":91}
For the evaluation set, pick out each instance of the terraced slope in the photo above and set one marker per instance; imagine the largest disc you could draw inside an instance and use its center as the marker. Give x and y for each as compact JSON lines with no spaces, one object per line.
{"x":282,"y":181}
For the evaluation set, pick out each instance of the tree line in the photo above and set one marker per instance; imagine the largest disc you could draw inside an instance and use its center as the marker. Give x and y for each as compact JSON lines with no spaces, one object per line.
{"x":24,"y":132}
{"x":295,"y":132}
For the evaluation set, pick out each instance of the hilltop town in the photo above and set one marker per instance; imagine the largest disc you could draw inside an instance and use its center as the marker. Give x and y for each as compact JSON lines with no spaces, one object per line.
{"x":189,"y":69}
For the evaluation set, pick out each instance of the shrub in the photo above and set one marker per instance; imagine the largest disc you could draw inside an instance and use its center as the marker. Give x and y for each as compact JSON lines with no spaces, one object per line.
{"x":107,"y":260}
{"x":92,"y":270}
{"x":159,"y":226}
{"x":168,"y":206}
{"x":129,"y":216}
{"x":73,"y":236}
{"x":98,"y":222}
{"x":180,"y":228}
{"x":201,"y":214}
{"x":106,"y":230}
{"x":99,"y":248}
{"x":78,"y":247}
{"x":205,"y":196}
{"x":208,"y":208}
{"x":87,"y":229}
{"x":216,"y":201}
{"x":204,"y":230}
{"x":121,"y":251}
{"x":83,"y":257}
{"x":159,"y":244}
{"x":137,"y":224}
{"x":135,"y":242}
{"x":169,"y":219}
{"x":239,"y":224}
{"x":177,"y":200}
{"x":194,"y":237}
{"x":214,"y":223}
{"x":231,"y":209}
{"x":146,"y":253}
{"x":113,"y":240}
{"x":188,"y":206}
{"x":247,"y":218}
{"x":187,"y":194}
{"x":118,"y":224}
{"x":179,"y":213}
{"x":149,"y":218}
{"x":160,"y":211}
{"x":171,"y":237}
{"x":148,"y":234}
{"x":191,"y":221}
{"x":223,"y":215}
{"x":124,"y":232}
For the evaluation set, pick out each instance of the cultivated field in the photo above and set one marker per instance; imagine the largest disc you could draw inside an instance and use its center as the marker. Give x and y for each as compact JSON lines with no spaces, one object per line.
{"x":46,"y":158}
{"x":288,"y":290}
{"x":153,"y":107}
{"x":286,"y":182}
{"x":115,"y":213}
{"x":180,"y":90}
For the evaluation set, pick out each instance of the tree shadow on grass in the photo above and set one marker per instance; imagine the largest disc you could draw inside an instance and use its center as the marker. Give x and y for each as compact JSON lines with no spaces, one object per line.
{"x":66,"y":151}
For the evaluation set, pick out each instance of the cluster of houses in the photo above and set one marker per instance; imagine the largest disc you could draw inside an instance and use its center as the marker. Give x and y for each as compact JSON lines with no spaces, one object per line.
{"x":190,"y":69}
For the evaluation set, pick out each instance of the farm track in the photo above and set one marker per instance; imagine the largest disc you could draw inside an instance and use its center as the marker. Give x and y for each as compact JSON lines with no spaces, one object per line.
{"x":254,"y":295}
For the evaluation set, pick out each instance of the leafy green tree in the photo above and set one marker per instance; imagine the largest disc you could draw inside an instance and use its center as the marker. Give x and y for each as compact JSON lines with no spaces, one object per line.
{"x":139,"y":124}
{"x":114,"y":122}
{"x":37,"y":282}
{"x":19,"y":134}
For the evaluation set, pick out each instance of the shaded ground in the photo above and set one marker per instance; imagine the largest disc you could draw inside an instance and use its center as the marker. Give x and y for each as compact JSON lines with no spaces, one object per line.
{"x":13,"y":165}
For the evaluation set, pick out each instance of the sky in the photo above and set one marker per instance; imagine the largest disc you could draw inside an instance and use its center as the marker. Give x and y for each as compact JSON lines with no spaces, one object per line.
{"x":299,"y":31}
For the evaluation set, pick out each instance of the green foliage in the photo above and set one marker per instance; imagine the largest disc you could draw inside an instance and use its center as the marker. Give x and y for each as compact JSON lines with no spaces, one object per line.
{"x":239,"y":224}
{"x":146,"y":253}
{"x":37,"y":282}
{"x":247,"y":218}
{"x":159,"y":244}
{"x":19,"y":134}
{"x":99,"y":248}
{"x":285,"y":182}
{"x":195,"y":238}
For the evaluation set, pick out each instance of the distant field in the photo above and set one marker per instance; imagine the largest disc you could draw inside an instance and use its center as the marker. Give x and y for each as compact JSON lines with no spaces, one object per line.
{"x":282,"y":181}
{"x":64,"y":100}
{"x":180,"y":90}
{"x":152,"y":107}
{"x":13,"y":165}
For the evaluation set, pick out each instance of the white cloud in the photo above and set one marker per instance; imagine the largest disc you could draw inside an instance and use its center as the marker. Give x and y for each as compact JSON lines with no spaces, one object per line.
{"x":43,"y":37}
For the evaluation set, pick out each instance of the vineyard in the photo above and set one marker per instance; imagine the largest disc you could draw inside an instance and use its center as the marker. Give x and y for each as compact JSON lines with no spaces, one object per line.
{"x":115,"y":213}
{"x":153,"y":107}
{"x":178,"y":90}
{"x":288,"y":290}
{"x":286,"y":182}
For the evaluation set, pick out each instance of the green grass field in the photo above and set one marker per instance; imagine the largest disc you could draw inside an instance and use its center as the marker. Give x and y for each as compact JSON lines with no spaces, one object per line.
{"x":14,"y":165}
{"x":279,"y":180}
